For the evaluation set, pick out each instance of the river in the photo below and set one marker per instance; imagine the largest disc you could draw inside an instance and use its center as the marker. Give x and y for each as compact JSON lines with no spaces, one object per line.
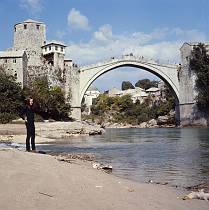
{"x":179,"y":156}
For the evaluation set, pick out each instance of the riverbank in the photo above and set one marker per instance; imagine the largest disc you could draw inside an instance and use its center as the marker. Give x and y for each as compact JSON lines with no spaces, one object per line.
{"x":48,"y":131}
{"x":36,"y":181}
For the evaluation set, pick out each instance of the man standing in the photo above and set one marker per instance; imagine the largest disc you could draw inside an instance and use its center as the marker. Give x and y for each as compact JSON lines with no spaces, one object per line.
{"x":28,"y":116}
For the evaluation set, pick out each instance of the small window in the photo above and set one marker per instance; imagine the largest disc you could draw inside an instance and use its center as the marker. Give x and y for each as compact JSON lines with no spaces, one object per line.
{"x":37,"y":27}
{"x":15,"y":29}
{"x":61,"y":49}
{"x":15,"y":75}
{"x":56,"y":48}
{"x":50,"y":48}
{"x":14,"y":61}
{"x":5,"y":61}
{"x":25,"y":26}
{"x":45,"y":49}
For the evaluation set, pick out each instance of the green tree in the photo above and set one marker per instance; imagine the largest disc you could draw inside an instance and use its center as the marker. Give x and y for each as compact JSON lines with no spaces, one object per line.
{"x":123,"y":110}
{"x":126,"y":85}
{"x":10,"y":97}
{"x":124,"y":103}
{"x":199,"y":63}
{"x":51,"y":101}
{"x":146,"y":84}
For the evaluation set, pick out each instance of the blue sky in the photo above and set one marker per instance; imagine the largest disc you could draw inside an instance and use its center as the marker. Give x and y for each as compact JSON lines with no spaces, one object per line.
{"x":97,"y":30}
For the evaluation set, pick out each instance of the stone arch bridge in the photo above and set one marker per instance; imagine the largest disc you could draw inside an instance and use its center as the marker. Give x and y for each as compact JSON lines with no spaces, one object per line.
{"x":88,"y":74}
{"x":178,"y":77}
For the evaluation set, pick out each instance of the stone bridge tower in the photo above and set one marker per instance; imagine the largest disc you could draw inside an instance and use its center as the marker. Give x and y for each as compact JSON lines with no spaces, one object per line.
{"x":189,"y":113}
{"x":30,"y":36}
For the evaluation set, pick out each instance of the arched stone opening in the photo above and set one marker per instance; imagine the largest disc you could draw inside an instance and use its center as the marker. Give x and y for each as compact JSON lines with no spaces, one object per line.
{"x":166,"y":73}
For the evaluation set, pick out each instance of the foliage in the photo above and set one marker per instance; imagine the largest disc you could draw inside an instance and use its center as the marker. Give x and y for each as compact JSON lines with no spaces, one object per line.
{"x":199,"y":63}
{"x":50,"y":100}
{"x":146,"y":84}
{"x":10,"y":97}
{"x":126,"y":85}
{"x":123,"y":110}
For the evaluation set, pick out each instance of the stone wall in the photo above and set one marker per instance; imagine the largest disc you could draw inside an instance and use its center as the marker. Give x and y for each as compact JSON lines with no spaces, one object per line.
{"x":189,"y":113}
{"x":72,"y":90}
{"x":30,"y":36}
{"x":15,"y":65}
{"x":59,"y":60}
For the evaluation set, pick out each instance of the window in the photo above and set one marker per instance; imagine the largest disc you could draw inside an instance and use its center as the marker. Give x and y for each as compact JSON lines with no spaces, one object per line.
{"x":50,"y":48}
{"x":37,"y":27}
{"x":14,"y":61}
{"x":15,"y":75}
{"x":56,"y":48}
{"x":5,"y":61}
{"x":25,"y":26}
{"x":15,"y":29}
{"x":61,"y":49}
{"x":45,"y":49}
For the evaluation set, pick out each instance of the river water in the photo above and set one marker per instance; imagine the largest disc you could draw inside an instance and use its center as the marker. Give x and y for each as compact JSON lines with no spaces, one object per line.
{"x":179,"y":156}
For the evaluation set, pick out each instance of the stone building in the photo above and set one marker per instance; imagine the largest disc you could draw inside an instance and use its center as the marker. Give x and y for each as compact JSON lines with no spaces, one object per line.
{"x":33,"y":56}
{"x":114,"y":92}
{"x":89,"y":95}
{"x":30,"y":36}
{"x":15,"y":63}
{"x":54,"y":53}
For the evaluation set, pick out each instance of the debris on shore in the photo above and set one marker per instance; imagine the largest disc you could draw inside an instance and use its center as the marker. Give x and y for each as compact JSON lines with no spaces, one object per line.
{"x":203,"y":185}
{"x":107,"y":168}
{"x":160,"y":183}
{"x":68,"y":157}
{"x":197,"y":195}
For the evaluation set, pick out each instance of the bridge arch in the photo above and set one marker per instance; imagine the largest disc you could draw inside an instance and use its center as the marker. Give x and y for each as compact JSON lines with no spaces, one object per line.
{"x":168,"y":73}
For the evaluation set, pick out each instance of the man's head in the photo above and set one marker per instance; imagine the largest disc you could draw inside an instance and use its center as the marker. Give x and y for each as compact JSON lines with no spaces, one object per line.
{"x":30,"y":101}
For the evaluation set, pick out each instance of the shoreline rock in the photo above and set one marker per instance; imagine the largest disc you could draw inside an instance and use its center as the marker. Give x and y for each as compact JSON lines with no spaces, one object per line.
{"x":54,"y":129}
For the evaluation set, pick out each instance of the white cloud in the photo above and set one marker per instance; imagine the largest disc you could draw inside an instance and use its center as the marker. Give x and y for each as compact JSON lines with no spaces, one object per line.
{"x":78,"y":21}
{"x":104,"y":34}
{"x":32,"y":6}
{"x":193,"y":34}
{"x":160,"y":44}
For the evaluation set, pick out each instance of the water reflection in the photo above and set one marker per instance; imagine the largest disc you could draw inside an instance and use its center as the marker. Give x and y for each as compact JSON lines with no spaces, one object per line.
{"x":175,"y":155}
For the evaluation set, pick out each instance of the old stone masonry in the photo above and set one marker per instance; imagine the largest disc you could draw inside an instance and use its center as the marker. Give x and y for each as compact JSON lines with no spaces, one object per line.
{"x":33,"y":56}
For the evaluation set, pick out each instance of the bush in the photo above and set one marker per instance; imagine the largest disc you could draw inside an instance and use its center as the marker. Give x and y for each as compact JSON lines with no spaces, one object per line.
{"x":146,"y":84}
{"x":123,"y":110}
{"x":126,"y":85}
{"x":50,"y":100}
{"x":10,"y":97}
{"x":199,"y":63}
